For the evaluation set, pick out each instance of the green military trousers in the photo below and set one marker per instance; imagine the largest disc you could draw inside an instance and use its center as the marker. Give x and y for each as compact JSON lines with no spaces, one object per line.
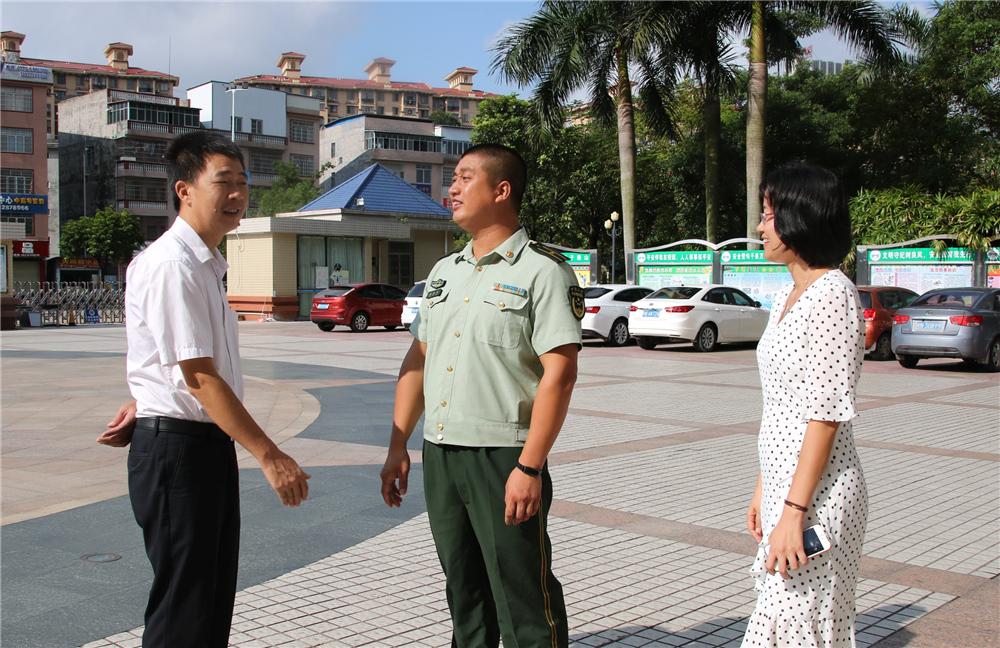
{"x":499,"y":577}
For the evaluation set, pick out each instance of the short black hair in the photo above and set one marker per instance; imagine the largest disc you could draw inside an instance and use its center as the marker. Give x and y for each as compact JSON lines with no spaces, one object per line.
{"x":811,"y":215}
{"x":504,"y":163}
{"x":187,"y":154}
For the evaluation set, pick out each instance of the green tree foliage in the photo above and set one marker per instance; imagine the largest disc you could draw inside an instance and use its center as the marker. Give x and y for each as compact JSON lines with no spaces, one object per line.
{"x":286,"y":194}
{"x":444,"y":118}
{"x":108,"y":236}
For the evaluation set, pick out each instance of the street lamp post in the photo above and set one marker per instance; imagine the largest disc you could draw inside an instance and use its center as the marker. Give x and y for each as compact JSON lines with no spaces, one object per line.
{"x":232,"y":116}
{"x":614,"y":230}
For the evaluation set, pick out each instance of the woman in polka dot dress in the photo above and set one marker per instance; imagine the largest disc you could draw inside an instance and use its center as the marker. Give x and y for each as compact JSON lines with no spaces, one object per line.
{"x":810,"y":360}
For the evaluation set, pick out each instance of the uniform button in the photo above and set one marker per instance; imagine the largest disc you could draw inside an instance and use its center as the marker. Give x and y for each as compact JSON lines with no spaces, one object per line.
{"x":449,"y":369}
{"x":440,"y":437}
{"x":444,"y":403}
{"x":440,"y":426}
{"x":457,"y":334}
{"x":430,"y":303}
{"x":466,"y":300}
{"x":501,"y":304}
{"x":509,"y":254}
{"x":479,"y":268}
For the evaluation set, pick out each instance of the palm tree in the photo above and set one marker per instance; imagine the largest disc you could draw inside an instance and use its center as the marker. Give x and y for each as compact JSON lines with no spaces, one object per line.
{"x":863,"y":24}
{"x":607,"y":48}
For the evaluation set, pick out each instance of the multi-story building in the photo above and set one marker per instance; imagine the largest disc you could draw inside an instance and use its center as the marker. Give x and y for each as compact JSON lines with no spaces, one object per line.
{"x":378,"y":94}
{"x":24,"y":208}
{"x":111,"y":148}
{"x":75,"y":79}
{"x":417,"y":150}
{"x":270,"y":126}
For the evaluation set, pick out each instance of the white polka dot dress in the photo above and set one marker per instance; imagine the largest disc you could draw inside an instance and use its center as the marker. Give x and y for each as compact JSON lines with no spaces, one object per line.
{"x":810,"y":363}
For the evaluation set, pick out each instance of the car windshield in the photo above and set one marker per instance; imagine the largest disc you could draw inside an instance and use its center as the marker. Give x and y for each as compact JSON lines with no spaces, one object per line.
{"x":954,"y":298}
{"x":416,"y":291}
{"x":675,"y":292}
{"x":336,"y":291}
{"x":866,"y":298}
{"x":593,"y":292}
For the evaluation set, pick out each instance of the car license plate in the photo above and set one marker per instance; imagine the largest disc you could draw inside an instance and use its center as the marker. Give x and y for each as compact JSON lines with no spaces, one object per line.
{"x":928,"y":325}
{"x":650,"y":313}
{"x":322,"y":306}
{"x":414,"y":310}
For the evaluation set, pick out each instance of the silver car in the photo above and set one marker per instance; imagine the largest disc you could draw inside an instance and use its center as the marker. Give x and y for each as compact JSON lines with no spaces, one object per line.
{"x":950,"y":323}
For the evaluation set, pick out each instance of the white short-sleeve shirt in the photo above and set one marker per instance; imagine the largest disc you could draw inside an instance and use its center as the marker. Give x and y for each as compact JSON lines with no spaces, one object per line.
{"x":176,"y":309}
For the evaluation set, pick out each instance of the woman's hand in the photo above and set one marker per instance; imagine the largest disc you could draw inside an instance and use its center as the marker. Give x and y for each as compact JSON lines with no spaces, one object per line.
{"x":753,"y":514}
{"x":787,"y":548}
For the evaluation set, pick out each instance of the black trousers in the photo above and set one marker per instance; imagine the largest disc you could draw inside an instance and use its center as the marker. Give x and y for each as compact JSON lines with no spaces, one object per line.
{"x":185,"y":495}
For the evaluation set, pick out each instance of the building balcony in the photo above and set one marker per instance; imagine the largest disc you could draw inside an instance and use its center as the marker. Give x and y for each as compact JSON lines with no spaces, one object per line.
{"x":148,"y":98}
{"x":141,"y":168}
{"x":136,"y":206}
{"x":124,"y":128}
{"x":267,"y":141}
{"x":262,"y":177}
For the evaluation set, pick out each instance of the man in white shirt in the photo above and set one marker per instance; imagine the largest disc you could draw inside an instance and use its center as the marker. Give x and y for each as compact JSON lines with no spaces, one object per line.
{"x":183,"y":369}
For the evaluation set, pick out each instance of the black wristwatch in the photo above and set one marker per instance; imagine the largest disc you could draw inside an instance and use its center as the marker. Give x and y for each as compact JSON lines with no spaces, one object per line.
{"x":530,"y":472}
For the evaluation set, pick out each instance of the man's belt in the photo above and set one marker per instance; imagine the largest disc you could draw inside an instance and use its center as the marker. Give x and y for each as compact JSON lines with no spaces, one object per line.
{"x":180,"y":426}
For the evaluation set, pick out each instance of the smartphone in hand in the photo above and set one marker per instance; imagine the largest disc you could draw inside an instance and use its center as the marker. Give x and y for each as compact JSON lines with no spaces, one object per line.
{"x":816,"y":541}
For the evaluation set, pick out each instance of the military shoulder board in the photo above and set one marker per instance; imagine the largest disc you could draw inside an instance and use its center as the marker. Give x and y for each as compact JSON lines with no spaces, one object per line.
{"x":546,"y":251}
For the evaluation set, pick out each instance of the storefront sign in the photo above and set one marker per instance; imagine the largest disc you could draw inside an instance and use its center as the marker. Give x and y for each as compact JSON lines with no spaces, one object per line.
{"x":426,"y":188}
{"x":24,"y":203}
{"x":743,"y":256}
{"x":580,"y":262}
{"x":921,"y":277}
{"x":675,"y":275}
{"x":70,"y":263}
{"x":649,"y":258}
{"x":31,"y":249}
{"x":19,"y":72}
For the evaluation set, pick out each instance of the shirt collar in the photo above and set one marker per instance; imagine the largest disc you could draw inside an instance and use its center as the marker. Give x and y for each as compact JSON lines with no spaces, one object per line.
{"x":509,"y":250}
{"x":183,"y":231}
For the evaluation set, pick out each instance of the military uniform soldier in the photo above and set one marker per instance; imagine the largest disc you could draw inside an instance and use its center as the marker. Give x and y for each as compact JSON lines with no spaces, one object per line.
{"x":492,"y":368}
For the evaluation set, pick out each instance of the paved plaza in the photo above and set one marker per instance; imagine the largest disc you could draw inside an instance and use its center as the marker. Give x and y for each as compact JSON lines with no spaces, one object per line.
{"x":653,"y":473}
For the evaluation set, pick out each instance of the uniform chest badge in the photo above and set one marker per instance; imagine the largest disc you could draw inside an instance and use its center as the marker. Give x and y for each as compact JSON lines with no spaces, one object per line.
{"x":438,"y":283}
{"x":513,"y":290}
{"x":576,"y":302}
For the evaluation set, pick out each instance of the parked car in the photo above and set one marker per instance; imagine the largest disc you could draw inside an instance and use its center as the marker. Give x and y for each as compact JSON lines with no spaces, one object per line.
{"x":879,"y":304}
{"x":412,"y":303}
{"x":607,"y":308}
{"x":707,"y":315}
{"x":358,"y":306}
{"x":950,"y":323}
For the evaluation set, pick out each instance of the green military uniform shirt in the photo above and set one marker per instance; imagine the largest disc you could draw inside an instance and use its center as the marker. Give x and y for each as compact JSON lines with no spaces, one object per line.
{"x":485,"y":323}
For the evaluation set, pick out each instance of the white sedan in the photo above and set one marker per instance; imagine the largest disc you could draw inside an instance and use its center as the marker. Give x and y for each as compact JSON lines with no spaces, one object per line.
{"x":412,"y":303}
{"x":607,"y":306}
{"x":706,"y":315}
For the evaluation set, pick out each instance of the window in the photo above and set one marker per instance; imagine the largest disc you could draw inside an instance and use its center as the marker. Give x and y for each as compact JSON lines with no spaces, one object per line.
{"x":402,"y":142}
{"x":48,"y":125}
{"x":351,"y":95}
{"x":333,"y":109}
{"x":333,"y":150}
{"x":331,"y":95}
{"x":423,"y":174}
{"x":465,"y":104}
{"x":163,"y":86}
{"x":305,"y":163}
{"x":367,"y":96}
{"x":304,"y":92}
{"x":395,"y":96}
{"x":351,"y":110}
{"x":15,"y":140}
{"x":257,"y":126}
{"x":410,"y":99}
{"x":300,"y":131}
{"x":454,"y":147}
{"x":423,"y":114}
{"x":60,"y":95}
{"x":144,"y":189}
{"x":401,"y":263}
{"x":98,"y":83}
{"x":60,"y":79}
{"x":263,"y":161}
{"x":17,"y":99}
{"x":81,"y":80}
{"x":146,"y":85}
{"x":318,"y":92}
{"x":381,"y":110}
{"x":28,"y":222}
{"x":424,"y":100}
{"x":395,"y":111}
{"x":453,"y":105}
{"x":16,"y":181}
{"x":465,"y":118}
{"x":112,"y":83}
{"x":130,"y":84}
{"x":367,"y":109}
{"x":447,"y":175}
{"x":381,"y":96}
{"x":239,"y":124}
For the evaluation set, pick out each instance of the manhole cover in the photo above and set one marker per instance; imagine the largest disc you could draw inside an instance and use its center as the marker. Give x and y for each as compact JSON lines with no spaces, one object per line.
{"x":100,"y":558}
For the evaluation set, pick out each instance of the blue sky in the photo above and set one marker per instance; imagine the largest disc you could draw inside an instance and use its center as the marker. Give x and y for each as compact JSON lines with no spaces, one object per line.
{"x":204,"y":41}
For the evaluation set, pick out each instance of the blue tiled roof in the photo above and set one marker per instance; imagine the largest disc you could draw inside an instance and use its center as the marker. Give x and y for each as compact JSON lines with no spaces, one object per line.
{"x":383,"y":191}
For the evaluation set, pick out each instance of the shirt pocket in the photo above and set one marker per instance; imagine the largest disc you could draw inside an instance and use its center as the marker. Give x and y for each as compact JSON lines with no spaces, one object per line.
{"x":503,"y":320}
{"x":432,"y":313}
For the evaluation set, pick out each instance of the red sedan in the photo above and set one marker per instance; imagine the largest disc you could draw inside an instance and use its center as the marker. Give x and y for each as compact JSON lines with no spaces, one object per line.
{"x":358,"y":306}
{"x":880,"y":304}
